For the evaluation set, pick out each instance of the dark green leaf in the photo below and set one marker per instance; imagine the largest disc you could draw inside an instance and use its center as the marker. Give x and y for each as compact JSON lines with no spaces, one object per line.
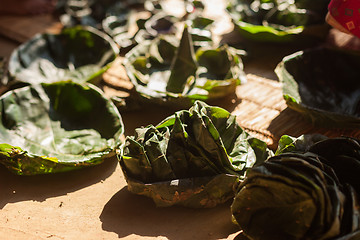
{"x":301,"y":144}
{"x":183,"y":66}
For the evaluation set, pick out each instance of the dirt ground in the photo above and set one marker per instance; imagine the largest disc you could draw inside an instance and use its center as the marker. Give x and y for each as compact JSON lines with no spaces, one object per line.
{"x":95,"y":204}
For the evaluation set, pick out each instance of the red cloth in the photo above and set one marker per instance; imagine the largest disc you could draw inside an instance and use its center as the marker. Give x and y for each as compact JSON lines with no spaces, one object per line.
{"x":347,"y":13}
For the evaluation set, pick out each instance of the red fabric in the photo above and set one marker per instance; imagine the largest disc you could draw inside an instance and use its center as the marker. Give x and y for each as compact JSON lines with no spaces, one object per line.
{"x":347,"y":13}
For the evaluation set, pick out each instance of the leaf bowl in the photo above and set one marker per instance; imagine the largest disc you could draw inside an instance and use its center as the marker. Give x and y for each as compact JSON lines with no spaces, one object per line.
{"x":79,"y":54}
{"x":299,"y":21}
{"x":170,"y":72}
{"x":57,"y":127}
{"x":322,"y":84}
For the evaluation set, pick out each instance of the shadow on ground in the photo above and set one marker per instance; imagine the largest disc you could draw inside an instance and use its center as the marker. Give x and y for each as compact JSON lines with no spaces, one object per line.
{"x":127,"y":214}
{"x":14,"y":188}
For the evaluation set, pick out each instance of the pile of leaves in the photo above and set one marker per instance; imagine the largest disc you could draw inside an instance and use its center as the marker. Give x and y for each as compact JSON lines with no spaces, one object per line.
{"x":309,"y":190}
{"x":193,"y":158}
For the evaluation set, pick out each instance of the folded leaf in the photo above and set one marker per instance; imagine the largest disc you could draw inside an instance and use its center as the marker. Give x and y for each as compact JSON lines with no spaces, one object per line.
{"x":309,"y":190}
{"x":179,"y":161}
{"x":183,"y":66}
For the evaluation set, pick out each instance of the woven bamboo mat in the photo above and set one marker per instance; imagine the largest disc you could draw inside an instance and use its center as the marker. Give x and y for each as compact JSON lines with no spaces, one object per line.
{"x":258,"y":105}
{"x":264,"y":113}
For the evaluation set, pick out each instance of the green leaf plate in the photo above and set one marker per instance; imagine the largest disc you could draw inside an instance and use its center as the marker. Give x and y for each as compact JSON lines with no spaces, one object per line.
{"x":322,"y":84}
{"x":167,"y":71}
{"x":79,"y":54}
{"x":57,"y":127}
{"x":275,"y":21}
